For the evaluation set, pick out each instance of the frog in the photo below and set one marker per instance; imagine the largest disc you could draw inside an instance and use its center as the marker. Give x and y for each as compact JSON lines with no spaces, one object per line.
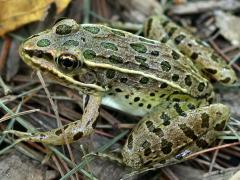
{"x":153,"y":78}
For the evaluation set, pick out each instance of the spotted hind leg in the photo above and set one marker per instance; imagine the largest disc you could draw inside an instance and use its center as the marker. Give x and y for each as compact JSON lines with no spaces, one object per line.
{"x":70,"y":132}
{"x":172,"y":129}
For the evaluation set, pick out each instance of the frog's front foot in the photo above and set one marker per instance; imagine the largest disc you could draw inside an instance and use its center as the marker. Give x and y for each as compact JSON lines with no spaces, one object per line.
{"x":54,"y":137}
{"x":24,"y":136}
{"x":70,"y":132}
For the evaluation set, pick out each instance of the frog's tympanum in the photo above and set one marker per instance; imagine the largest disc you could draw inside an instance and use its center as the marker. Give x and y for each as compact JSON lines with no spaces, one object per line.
{"x":166,"y":81}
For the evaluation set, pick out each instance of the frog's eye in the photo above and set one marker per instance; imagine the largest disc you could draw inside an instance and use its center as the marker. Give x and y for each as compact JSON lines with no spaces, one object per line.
{"x":68,"y":62}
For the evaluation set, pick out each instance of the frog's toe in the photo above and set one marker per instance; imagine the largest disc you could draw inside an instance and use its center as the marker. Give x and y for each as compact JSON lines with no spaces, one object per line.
{"x":17,"y":133}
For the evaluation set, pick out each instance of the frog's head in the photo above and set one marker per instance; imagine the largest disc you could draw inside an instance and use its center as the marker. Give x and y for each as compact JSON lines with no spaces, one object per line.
{"x":56,"y":52}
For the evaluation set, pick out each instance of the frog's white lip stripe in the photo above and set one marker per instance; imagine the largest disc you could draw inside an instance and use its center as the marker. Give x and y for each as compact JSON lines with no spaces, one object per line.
{"x":35,"y":62}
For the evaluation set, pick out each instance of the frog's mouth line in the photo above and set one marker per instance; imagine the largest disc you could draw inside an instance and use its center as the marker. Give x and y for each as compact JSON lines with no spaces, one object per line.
{"x":46,"y":67}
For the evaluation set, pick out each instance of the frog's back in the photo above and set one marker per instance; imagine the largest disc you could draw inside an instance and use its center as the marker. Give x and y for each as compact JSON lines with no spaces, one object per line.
{"x":127,"y":53}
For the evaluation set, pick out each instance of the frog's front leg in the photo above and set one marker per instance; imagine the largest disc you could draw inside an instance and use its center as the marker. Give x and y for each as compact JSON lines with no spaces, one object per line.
{"x":171,"y":130}
{"x":69,"y":132}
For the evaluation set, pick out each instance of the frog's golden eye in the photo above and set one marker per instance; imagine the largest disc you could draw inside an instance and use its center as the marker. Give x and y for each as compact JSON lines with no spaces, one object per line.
{"x":68,"y":62}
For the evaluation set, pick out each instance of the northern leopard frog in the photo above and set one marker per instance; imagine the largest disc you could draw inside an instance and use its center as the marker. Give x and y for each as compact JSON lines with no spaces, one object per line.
{"x":162,"y":80}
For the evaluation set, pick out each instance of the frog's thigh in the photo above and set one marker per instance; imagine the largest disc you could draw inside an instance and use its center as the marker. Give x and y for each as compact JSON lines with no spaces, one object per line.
{"x":70,"y":132}
{"x":162,"y":136}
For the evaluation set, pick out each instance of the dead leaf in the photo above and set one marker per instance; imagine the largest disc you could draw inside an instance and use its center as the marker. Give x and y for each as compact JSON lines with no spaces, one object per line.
{"x":229,"y":26}
{"x":17,"y":13}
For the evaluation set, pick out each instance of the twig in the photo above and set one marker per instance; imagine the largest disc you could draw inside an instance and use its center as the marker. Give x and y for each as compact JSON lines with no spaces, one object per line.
{"x":18,"y":114}
{"x":54,"y":107}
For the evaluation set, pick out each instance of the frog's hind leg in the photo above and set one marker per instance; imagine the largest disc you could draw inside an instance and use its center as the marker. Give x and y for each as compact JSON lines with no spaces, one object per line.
{"x":70,"y":132}
{"x":163,"y":133}
{"x":203,"y":57}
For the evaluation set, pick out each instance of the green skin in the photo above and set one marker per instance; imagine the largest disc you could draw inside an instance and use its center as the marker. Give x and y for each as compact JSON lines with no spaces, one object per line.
{"x":136,"y":75}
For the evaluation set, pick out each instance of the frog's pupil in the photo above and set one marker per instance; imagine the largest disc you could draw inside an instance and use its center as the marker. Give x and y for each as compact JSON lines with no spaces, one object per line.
{"x":67,"y":62}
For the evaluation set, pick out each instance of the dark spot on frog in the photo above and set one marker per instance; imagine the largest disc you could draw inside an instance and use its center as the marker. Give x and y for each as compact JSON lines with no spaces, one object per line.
{"x":175,"y":55}
{"x":83,"y":39}
{"x":89,"y":54}
{"x":77,"y":136}
{"x":149,"y":26}
{"x":117,"y":32}
{"x":166,"y":146}
{"x":211,"y":71}
{"x":188,"y":80}
{"x":147,"y":163}
{"x":220,"y":126}
{"x":130,"y":141}
{"x":147,"y":152}
{"x":144,"y":80}
{"x":140,"y":104}
{"x":214,"y":57}
{"x":43,"y":43}
{"x":140,"y":48}
{"x":165,"y":39}
{"x":140,"y":59}
{"x":179,"y":110}
{"x":165,"y":23}
{"x":110,"y":73}
{"x":155,"y":53}
{"x":66,"y":126}
{"x":71,"y":43}
{"x":126,"y":96}
{"x":58,"y":132}
{"x":176,"y":99}
{"x":136,"y":99}
{"x":205,"y":120}
{"x":150,"y":126}
{"x":118,"y":90}
{"x":92,"y":29}
{"x":179,"y":38}
{"x":194,"y":56}
{"x":191,"y":106}
{"x":188,"y":131}
{"x":158,"y":132}
{"x":201,"y":86}
{"x":171,"y":31}
{"x":116,"y":59}
{"x":146,"y":144}
{"x":165,"y":118}
{"x":152,"y":94}
{"x":144,"y":66}
{"x":108,"y":45}
{"x":226,"y":80}
{"x":165,"y":66}
{"x":175,"y":77}
{"x":202,"y":143}
{"x":123,"y":80}
{"x":163,"y":85}
{"x":149,"y":106}
{"x":162,"y":95}
{"x":63,"y":29}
